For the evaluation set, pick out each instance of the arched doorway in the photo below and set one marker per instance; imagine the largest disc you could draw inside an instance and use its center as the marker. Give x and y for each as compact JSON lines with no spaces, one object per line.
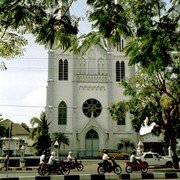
{"x":92,"y":143}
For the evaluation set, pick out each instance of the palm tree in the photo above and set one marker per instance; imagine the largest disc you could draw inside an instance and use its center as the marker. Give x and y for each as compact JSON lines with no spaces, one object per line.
{"x":25,"y":126}
{"x":61,"y":138}
{"x":40,"y":133}
{"x":125,"y":143}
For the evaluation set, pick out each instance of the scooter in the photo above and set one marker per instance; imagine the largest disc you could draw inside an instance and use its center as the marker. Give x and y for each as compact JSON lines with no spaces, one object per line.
{"x":113,"y":166}
{"x":136,"y":166}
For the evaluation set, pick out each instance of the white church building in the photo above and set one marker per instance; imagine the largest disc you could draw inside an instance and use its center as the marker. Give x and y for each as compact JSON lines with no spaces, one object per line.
{"x":80,"y":89}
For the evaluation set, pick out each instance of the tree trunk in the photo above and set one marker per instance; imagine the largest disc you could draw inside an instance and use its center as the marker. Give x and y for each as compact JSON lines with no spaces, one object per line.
{"x":170,"y":135}
{"x":174,"y":156}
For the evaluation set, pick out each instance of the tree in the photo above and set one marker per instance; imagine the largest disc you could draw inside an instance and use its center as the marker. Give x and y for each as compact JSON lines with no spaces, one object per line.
{"x":150,"y":27}
{"x":46,"y":20}
{"x":127,"y":144}
{"x":155,"y":97}
{"x":40,"y":133}
{"x":25,"y":126}
{"x":61,"y":138}
{"x":2,"y":128}
{"x":153,"y":34}
{"x":11,"y":45}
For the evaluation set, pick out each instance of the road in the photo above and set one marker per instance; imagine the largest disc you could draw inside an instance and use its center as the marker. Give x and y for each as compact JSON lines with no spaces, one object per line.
{"x":90,"y":167}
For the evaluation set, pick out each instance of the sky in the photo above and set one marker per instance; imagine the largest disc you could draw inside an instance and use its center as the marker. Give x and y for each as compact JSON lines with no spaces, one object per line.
{"x":23,"y":84}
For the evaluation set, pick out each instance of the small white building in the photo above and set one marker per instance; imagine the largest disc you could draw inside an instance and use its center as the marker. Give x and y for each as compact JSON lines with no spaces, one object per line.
{"x":19,"y":138}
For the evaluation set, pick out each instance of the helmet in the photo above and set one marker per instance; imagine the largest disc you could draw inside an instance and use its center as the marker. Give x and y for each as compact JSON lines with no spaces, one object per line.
{"x":70,"y":152}
{"x":53,"y":153}
{"x":44,"y":152}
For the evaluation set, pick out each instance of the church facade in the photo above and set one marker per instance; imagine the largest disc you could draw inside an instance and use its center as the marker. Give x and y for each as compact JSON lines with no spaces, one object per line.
{"x":80,"y":89}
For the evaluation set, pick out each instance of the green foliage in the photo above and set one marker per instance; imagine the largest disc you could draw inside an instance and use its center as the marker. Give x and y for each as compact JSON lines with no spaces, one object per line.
{"x":152,"y":31}
{"x":2,"y":130}
{"x":150,"y":27}
{"x":155,"y":96}
{"x":126,"y":143}
{"x":46,"y":20}
{"x":60,"y":137}
{"x":118,"y":110}
{"x":25,"y":126}
{"x":40,"y":133}
{"x":109,"y":19}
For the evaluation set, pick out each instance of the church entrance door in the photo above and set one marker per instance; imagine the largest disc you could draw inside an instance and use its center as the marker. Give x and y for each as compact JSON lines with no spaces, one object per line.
{"x":92,"y":144}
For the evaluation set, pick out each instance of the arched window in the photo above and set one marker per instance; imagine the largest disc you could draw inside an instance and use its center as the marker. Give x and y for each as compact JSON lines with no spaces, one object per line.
{"x":63,"y":70}
{"x":117,"y":71}
{"x":92,"y":134}
{"x":62,"y":113}
{"x":120,"y":44}
{"x":100,"y":66}
{"x":122,"y":70}
{"x":82,"y":66}
{"x":60,"y":69}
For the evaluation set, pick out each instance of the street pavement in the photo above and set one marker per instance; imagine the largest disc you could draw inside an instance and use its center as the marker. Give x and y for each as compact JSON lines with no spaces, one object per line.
{"x":90,"y":167}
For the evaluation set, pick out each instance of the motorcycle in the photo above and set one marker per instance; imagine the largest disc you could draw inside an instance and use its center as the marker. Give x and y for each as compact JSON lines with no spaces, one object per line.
{"x":113,"y":166}
{"x":75,"y":164}
{"x":42,"y":168}
{"x":59,"y":168}
{"x":138,"y":166}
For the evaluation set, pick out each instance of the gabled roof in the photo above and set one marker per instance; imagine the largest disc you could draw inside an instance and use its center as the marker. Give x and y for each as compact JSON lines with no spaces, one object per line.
{"x":17,"y":129}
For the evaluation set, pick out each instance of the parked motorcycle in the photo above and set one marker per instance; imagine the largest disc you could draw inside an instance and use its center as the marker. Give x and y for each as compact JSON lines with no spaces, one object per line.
{"x":75,"y":165}
{"x":59,"y":168}
{"x":113,"y":166}
{"x":138,"y":166}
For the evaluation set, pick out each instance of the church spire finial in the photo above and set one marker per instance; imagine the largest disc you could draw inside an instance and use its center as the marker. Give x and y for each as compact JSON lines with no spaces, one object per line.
{"x":64,"y":6}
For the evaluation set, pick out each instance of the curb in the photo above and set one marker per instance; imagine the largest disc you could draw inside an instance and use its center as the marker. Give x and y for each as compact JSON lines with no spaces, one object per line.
{"x":172,"y":175}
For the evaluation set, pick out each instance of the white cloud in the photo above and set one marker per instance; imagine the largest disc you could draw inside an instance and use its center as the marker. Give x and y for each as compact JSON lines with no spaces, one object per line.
{"x":36,"y":97}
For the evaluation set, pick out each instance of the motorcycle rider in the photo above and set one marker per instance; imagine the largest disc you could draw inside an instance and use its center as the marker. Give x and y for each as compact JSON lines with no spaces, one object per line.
{"x":105,"y":159}
{"x":42,"y":158}
{"x":70,"y":158}
{"x":133,"y":158}
{"x":52,"y":162}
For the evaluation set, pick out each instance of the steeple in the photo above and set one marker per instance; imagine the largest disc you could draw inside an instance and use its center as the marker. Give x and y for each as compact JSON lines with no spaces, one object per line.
{"x":63,"y":8}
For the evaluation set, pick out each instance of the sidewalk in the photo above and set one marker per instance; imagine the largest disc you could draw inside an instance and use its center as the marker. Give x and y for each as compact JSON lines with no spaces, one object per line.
{"x":19,"y":168}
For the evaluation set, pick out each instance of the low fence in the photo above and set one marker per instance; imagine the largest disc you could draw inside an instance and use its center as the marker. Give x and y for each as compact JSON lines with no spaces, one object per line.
{"x":15,"y":161}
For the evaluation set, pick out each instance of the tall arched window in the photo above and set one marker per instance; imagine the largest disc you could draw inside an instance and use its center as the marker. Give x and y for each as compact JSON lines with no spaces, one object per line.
{"x":60,"y":69}
{"x":120,"y":44}
{"x":122,"y":70}
{"x":100,"y":66}
{"x":62,"y":113}
{"x":82,"y":66}
{"x":117,"y":71}
{"x":63,"y":70}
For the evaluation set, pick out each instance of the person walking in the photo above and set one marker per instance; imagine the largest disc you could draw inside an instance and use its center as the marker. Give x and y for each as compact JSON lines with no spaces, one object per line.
{"x":6,"y":159}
